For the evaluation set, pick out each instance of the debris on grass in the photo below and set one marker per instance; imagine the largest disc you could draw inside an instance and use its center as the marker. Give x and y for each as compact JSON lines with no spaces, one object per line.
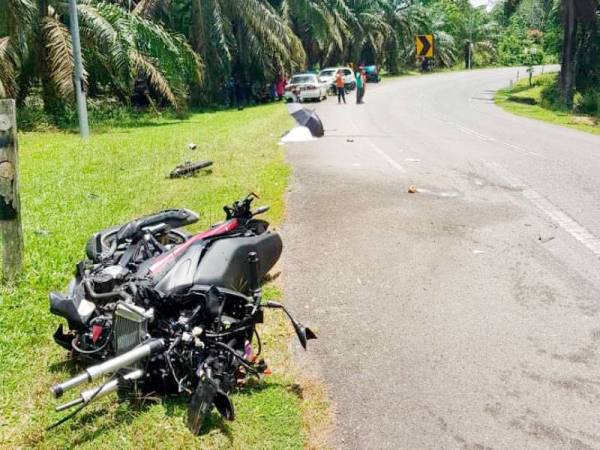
{"x":189,"y":168}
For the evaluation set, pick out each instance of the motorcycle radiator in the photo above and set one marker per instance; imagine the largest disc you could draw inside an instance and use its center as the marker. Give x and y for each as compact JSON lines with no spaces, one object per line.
{"x":130,"y":326}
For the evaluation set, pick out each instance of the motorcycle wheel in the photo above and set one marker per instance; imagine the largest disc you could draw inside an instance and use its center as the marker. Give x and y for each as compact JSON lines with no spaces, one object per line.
{"x":107,"y":237}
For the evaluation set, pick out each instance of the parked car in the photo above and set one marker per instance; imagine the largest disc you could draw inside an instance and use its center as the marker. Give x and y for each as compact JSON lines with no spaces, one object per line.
{"x":305,"y":86}
{"x":372,"y":74}
{"x":327,"y":75}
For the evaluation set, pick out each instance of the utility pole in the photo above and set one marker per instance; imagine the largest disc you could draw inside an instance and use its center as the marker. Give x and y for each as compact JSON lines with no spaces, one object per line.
{"x":84,"y":129}
{"x":11,"y":229}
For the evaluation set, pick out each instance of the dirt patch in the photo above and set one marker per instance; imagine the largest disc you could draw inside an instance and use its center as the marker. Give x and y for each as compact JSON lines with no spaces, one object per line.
{"x":583,"y":120}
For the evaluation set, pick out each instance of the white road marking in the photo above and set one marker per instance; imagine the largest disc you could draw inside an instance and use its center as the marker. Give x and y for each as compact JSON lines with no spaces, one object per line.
{"x":563,"y":220}
{"x":471,"y":132}
{"x":385,"y":156}
{"x":520,"y":149}
{"x":486,"y":138}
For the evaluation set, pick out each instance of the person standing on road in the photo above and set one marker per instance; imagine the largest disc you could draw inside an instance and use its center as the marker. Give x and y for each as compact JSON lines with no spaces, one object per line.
{"x":360,"y":85}
{"x":340,"y":86}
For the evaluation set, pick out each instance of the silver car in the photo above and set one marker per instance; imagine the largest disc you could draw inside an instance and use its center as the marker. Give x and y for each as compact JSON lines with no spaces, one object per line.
{"x":327,"y":76}
{"x":305,"y":86}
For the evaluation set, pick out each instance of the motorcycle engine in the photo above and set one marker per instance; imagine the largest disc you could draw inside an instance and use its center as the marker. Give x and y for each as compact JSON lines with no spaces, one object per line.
{"x":108,"y":278}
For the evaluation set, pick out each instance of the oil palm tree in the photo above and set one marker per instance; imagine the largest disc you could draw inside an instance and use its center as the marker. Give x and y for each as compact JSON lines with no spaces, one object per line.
{"x":321,"y":25}
{"x":369,"y":28}
{"x":249,"y":39}
{"x":121,"y":45}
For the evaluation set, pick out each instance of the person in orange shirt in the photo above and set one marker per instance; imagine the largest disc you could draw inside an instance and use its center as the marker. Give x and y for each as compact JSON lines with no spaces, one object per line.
{"x":340,"y":86}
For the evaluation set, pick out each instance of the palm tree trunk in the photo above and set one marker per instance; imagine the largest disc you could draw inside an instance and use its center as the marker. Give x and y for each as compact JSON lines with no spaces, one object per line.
{"x":568,"y":64}
{"x":48,"y":93}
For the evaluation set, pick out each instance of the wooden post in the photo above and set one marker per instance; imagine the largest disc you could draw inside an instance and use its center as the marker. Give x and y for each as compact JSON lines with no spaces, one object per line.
{"x":11,"y":230}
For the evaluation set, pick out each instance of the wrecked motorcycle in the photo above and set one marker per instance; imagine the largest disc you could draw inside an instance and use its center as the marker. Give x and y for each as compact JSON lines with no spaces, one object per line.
{"x":165,"y":312}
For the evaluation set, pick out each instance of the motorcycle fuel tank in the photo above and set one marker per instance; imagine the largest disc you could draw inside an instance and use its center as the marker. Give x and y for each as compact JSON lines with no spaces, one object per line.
{"x":223,"y":264}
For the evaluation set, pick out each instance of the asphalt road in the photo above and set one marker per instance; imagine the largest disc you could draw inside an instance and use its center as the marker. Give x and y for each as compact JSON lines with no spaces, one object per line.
{"x":466,"y":315}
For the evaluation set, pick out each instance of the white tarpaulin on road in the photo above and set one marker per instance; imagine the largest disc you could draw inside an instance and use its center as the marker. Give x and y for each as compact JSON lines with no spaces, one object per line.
{"x":297,"y":134}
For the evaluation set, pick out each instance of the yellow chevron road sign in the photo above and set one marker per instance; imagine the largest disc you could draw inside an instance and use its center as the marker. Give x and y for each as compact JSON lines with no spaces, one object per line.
{"x":425,"y":45}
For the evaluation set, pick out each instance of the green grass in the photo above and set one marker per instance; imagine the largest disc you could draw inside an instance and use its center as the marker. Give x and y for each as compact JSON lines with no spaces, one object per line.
{"x":71,"y":188}
{"x":517,"y":101}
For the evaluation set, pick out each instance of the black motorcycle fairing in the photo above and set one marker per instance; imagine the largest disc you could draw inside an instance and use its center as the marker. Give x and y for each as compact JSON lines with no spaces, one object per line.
{"x":224,"y":263}
{"x":72,"y":306}
{"x":179,"y":274}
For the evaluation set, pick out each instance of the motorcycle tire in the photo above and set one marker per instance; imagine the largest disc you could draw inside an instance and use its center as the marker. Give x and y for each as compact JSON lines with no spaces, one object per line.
{"x":107,"y":237}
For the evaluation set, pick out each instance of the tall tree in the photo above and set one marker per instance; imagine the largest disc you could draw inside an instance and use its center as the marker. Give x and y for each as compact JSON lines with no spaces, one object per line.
{"x":574,"y":13}
{"x":121,"y":45}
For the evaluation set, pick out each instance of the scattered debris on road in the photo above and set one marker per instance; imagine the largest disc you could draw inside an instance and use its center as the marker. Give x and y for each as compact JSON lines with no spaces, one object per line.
{"x":412,"y":190}
{"x":546,"y":239}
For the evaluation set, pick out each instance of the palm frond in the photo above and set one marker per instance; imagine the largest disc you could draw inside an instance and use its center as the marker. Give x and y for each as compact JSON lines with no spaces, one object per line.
{"x":157,"y":80}
{"x":148,"y":8}
{"x":7,"y":73}
{"x":60,"y":55}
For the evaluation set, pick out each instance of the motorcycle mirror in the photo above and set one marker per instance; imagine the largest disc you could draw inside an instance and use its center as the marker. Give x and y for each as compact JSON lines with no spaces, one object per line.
{"x":304,"y":334}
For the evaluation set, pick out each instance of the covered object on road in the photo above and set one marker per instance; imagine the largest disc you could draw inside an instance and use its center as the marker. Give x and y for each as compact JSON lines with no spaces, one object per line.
{"x":307,"y":118}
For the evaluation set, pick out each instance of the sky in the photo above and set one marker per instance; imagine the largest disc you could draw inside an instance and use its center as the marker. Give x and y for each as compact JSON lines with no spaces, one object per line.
{"x":483,"y":2}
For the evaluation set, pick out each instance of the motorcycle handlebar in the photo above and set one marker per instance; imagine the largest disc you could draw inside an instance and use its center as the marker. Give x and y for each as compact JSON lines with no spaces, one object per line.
{"x":260,"y":210}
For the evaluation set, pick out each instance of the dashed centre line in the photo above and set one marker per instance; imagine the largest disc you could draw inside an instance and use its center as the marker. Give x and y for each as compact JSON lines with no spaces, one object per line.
{"x":385,"y":156}
{"x":560,"y":218}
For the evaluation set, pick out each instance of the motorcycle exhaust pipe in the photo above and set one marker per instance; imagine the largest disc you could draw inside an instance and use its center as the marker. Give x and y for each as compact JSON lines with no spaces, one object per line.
{"x":111,"y":365}
{"x":110,"y":387}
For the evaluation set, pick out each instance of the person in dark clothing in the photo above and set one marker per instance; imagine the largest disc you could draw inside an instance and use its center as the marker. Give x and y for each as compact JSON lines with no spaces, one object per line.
{"x":360,"y":85}
{"x":231,"y":92}
{"x":239,"y":94}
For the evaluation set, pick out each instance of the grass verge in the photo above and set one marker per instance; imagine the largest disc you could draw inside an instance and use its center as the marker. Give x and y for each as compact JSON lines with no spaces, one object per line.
{"x":525,"y":100}
{"x":71,"y":188}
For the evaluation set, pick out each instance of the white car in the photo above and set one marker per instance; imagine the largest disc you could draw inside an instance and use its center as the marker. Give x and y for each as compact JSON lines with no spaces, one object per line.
{"x":327,"y":76}
{"x":305,"y":86}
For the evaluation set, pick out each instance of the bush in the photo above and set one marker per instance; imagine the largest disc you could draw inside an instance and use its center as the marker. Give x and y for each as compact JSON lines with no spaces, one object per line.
{"x":103,"y":112}
{"x":589,"y":102}
{"x":551,"y":97}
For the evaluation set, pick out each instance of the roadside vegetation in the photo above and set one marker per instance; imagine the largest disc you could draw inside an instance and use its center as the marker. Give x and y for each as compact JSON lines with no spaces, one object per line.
{"x":541,"y":100}
{"x":183,"y":55}
{"x":72,"y":188}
